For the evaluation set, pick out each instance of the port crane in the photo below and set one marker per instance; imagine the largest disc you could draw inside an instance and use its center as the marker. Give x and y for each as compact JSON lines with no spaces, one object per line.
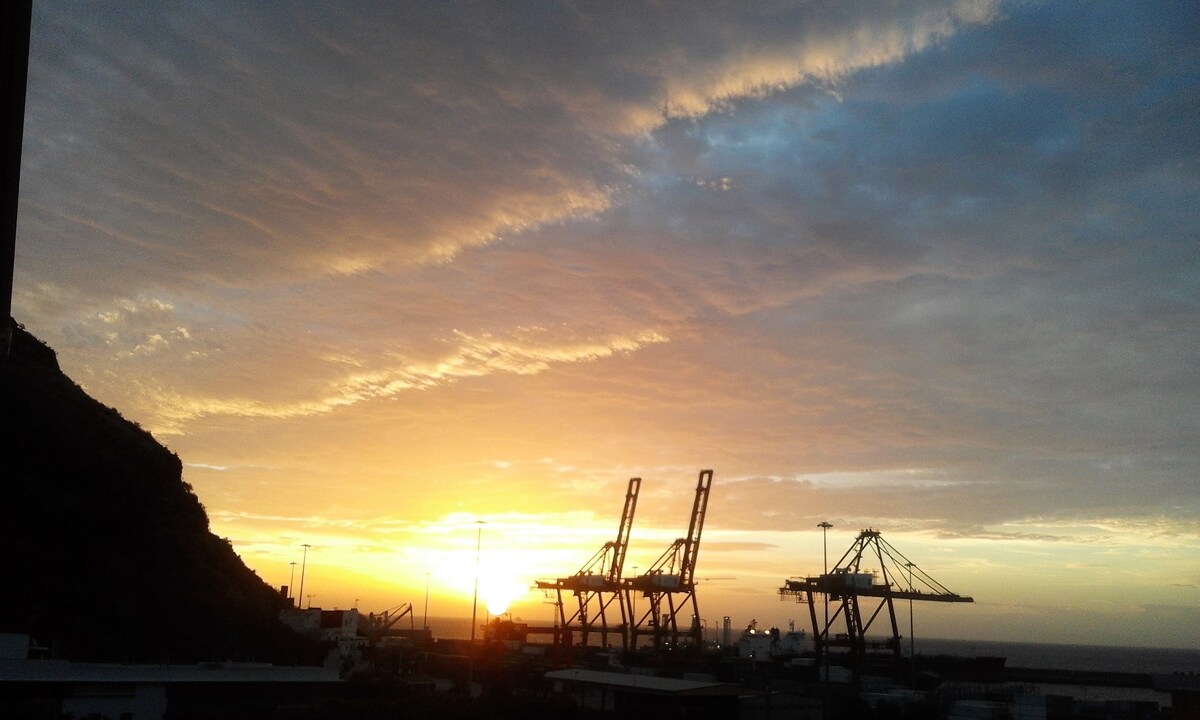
{"x":597,"y":586}
{"x":852,"y":588}
{"x":670,"y":583}
{"x":381,"y":624}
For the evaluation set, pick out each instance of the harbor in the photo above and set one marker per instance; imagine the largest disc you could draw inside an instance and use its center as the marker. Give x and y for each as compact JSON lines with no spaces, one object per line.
{"x":853,"y":661}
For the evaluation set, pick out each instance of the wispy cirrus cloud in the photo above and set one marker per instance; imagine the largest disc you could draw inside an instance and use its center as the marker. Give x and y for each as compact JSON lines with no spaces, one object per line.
{"x":470,"y":357}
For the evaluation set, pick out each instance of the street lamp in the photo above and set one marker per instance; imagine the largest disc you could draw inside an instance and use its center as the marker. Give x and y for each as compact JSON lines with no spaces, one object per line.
{"x":475,"y":598}
{"x":426,"y":601}
{"x":824,"y":541}
{"x":303,"y":566}
{"x":912,"y":653}
{"x":633,"y":599}
{"x":824,"y":525}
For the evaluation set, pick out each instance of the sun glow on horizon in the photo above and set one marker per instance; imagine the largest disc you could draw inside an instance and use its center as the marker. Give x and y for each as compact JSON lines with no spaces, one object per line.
{"x":378,"y":563}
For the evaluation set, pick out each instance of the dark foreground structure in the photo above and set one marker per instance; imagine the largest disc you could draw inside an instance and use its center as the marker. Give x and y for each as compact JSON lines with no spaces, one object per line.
{"x":494,"y":679}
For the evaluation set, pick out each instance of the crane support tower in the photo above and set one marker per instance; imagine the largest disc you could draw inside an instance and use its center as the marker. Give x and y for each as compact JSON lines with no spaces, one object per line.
{"x":670,"y":583}
{"x":597,"y":586}
{"x":853,"y":585}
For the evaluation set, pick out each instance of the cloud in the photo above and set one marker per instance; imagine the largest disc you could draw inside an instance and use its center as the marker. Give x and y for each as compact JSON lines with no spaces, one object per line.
{"x":732,"y":546}
{"x":235,"y":143}
{"x":528,"y":351}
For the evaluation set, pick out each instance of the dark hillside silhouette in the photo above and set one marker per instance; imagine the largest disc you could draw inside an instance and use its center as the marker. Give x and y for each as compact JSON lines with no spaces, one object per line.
{"x":106,"y":553}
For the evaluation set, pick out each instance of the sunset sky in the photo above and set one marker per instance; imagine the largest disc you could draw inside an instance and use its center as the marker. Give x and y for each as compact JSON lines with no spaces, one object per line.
{"x":376,"y":271}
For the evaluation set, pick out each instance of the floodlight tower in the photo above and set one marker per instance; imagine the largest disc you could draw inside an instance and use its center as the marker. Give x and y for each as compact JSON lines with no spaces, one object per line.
{"x":670,"y":583}
{"x":597,"y":585}
{"x":850,"y":582}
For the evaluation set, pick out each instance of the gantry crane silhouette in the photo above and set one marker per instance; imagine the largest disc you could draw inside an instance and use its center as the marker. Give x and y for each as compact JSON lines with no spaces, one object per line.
{"x":670,"y":585}
{"x":596,"y":586}
{"x":381,"y":624}
{"x":849,"y":584}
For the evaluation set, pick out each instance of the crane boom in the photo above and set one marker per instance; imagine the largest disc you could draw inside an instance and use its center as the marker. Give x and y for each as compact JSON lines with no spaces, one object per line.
{"x":598,"y":585}
{"x":687,"y":570}
{"x":669,"y":584}
{"x":622,"y":543}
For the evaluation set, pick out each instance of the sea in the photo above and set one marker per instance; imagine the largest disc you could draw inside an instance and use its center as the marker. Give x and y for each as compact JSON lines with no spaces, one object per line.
{"x":1094,"y":658}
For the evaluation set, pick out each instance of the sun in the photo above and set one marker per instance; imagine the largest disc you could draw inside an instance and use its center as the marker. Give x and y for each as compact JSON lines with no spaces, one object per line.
{"x":497,"y":577}
{"x":497,"y":606}
{"x":499,"y":590}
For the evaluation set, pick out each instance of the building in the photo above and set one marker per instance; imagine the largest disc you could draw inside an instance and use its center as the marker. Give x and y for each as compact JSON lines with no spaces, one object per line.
{"x":35,"y":688}
{"x":631,"y":695}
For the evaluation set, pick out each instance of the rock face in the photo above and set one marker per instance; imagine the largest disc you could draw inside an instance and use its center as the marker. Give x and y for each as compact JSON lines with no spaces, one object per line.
{"x":106,"y":552}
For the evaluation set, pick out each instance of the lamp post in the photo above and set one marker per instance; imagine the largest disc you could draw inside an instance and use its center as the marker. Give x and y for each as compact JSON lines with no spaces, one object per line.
{"x":303,"y":566}
{"x":824,"y":525}
{"x":633,"y":600}
{"x":475,"y":598}
{"x":292,"y":582}
{"x":912,"y":653}
{"x":426,"y":621}
{"x":825,"y":542}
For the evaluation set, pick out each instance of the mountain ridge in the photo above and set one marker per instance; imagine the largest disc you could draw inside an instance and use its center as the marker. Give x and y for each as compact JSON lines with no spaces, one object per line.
{"x":108,"y":550}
